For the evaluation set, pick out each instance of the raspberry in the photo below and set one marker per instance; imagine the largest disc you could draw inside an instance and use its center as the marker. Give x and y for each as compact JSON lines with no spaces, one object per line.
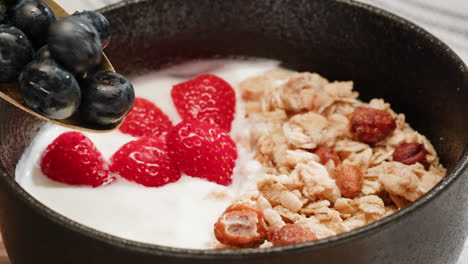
{"x":203,"y":150}
{"x":145,"y":161}
{"x":206,"y":98}
{"x":73,"y":159}
{"x":146,"y":119}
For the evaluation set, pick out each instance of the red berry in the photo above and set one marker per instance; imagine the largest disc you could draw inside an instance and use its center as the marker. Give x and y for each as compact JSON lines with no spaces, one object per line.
{"x":371,"y":125}
{"x":72,"y":158}
{"x":145,"y":161}
{"x":410,"y":153}
{"x":146,"y":119}
{"x":203,"y":150}
{"x":206,"y":98}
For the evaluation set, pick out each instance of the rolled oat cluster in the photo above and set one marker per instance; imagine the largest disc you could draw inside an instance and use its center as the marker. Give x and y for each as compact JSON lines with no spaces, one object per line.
{"x":372,"y":162}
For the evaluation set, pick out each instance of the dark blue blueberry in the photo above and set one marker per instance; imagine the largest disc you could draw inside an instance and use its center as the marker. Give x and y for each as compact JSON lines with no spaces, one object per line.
{"x":11,"y":2}
{"x":33,"y":17}
{"x":100,"y":22}
{"x":49,"y":90}
{"x":107,"y":97}
{"x":75,"y":44}
{"x":2,"y":15}
{"x":15,"y":52}
{"x":43,"y":53}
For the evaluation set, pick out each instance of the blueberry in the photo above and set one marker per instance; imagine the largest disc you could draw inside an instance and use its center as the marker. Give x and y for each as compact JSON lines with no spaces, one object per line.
{"x":100,"y":22}
{"x":15,"y":52}
{"x":49,"y":90}
{"x":2,"y":15}
{"x":107,"y":97}
{"x":11,"y":2}
{"x":33,"y":17}
{"x":43,"y":53}
{"x":75,"y":44}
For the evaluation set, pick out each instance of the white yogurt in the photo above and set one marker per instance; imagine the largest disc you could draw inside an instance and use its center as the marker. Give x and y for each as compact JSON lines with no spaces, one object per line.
{"x":179,"y":214}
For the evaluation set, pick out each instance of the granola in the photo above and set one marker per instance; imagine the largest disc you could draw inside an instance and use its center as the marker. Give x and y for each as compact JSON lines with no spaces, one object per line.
{"x":302,"y":120}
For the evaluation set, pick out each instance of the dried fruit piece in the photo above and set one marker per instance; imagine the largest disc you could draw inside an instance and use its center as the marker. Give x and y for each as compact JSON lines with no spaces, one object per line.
{"x":326,"y":154}
{"x":206,"y":98}
{"x":289,"y":234}
{"x":145,"y":161}
{"x":242,"y":207}
{"x":371,"y":125}
{"x":146,"y":119}
{"x":73,"y":159}
{"x":409,"y":153}
{"x":241,"y":226}
{"x":348,"y":179}
{"x":203,"y":150}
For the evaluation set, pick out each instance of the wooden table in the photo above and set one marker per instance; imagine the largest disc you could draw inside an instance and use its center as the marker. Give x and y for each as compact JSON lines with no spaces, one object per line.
{"x":3,"y":254}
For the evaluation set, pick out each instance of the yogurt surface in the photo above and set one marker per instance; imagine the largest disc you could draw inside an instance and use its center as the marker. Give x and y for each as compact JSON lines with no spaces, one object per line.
{"x":179,"y":214}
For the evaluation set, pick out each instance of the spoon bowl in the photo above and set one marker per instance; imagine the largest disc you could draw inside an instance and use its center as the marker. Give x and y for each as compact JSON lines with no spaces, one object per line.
{"x":10,"y":92}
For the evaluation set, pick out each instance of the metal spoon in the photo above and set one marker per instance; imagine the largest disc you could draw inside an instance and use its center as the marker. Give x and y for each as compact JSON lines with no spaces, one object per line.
{"x":11,"y":94}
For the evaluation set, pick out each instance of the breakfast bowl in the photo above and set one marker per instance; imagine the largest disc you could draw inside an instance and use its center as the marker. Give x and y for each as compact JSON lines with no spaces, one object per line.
{"x":386,"y":56}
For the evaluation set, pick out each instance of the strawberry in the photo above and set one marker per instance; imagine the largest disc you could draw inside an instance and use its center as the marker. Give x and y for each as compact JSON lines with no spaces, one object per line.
{"x":73,"y":159}
{"x":207,"y":98}
{"x":145,"y":161}
{"x":203,"y":150}
{"x":146,"y":119}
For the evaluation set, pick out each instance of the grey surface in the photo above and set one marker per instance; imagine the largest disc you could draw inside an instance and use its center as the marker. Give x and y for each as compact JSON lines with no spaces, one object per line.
{"x":446,"y":19}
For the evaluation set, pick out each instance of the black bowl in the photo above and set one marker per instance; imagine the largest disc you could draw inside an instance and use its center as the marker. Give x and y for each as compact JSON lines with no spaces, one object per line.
{"x":385,"y":55}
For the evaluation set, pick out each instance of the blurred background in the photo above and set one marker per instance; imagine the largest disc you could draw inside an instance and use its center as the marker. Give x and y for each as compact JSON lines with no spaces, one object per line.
{"x":446,"y":19}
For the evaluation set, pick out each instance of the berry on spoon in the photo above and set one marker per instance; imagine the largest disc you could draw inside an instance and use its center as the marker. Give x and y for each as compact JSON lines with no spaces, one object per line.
{"x":100,"y":22}
{"x":43,"y":53}
{"x":2,"y":15}
{"x":13,"y":58}
{"x":75,"y":43}
{"x":49,"y":90}
{"x":33,"y":17}
{"x":15,"y":52}
{"x":106,"y":98}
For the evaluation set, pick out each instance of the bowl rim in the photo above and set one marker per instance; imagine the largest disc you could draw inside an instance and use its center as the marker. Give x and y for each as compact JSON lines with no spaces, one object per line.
{"x":458,"y":171}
